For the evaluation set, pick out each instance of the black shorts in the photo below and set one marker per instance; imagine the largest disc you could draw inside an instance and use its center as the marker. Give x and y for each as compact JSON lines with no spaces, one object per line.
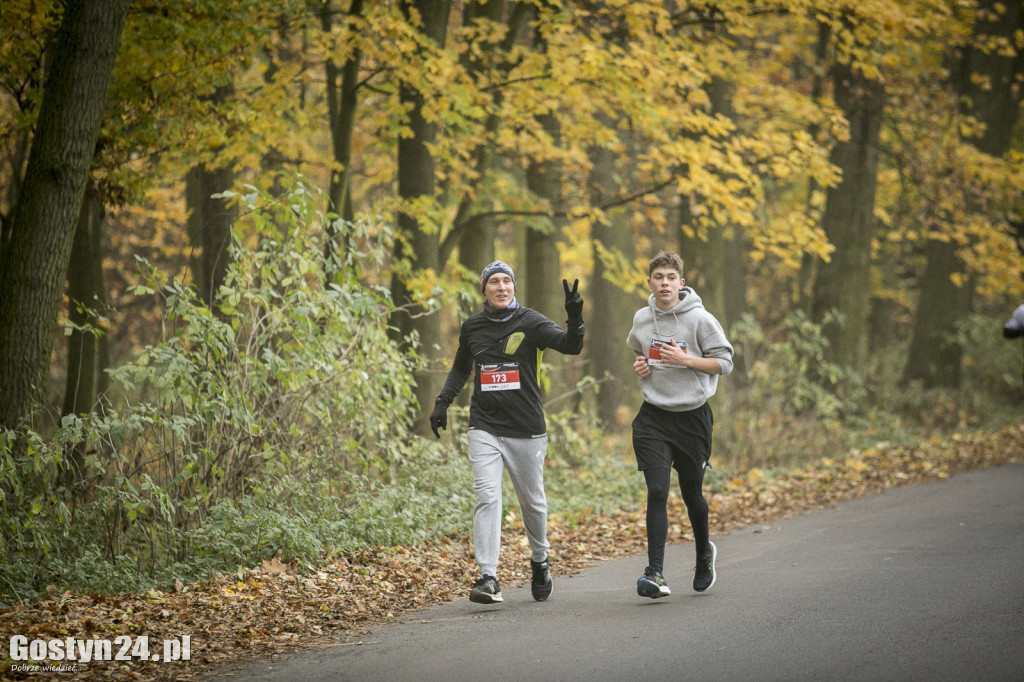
{"x":681,"y":440}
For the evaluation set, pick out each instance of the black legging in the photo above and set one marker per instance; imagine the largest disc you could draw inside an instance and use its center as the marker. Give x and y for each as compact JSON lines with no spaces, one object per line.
{"x":658,"y":482}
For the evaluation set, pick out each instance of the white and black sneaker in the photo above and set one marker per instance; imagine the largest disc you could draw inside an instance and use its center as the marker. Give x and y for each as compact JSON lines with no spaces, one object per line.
{"x":652,"y":584}
{"x":486,"y":591}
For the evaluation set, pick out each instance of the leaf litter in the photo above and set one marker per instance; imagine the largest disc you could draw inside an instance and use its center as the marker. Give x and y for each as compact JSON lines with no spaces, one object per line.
{"x":263,"y":612}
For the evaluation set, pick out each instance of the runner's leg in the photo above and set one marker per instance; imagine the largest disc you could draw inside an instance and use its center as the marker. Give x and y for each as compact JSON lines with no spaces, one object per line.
{"x":658,"y":481}
{"x":485,"y":454}
{"x":524,"y":459}
{"x":697,"y":510}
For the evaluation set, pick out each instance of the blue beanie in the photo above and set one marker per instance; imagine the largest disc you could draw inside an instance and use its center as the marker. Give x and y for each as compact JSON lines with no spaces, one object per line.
{"x":496,"y":266}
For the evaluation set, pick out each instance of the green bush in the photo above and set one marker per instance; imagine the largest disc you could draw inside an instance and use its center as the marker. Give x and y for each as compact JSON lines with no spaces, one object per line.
{"x":793,"y":363}
{"x":239,"y":435}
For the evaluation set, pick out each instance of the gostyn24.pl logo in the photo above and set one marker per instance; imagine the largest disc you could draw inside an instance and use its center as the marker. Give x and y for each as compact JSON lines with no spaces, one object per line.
{"x":123,"y":648}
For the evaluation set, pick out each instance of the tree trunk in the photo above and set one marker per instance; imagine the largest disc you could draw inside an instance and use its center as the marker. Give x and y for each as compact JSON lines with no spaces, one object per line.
{"x":717,"y":265}
{"x":476,"y":250}
{"x":540,"y":268}
{"x":35,"y":266}
{"x":809,"y":265}
{"x":728,"y":271}
{"x":935,"y":355}
{"x":989,"y":80}
{"x":542,"y":273}
{"x":415,"y":248}
{"x":611,"y":308}
{"x":988,"y":88}
{"x":884,"y":319}
{"x":342,"y":103}
{"x":611,"y":316}
{"x":476,"y":246}
{"x":544,"y":178}
{"x":209,"y":228}
{"x":714,"y":269}
{"x":209,"y":219}
{"x":86,"y":298}
{"x":476,"y":242}
{"x":843,"y":284}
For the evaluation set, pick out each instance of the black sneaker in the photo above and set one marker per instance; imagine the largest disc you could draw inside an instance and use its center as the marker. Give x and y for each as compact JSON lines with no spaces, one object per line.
{"x":652,"y":584}
{"x":704,"y":575}
{"x":486,"y":591}
{"x":540,"y":584}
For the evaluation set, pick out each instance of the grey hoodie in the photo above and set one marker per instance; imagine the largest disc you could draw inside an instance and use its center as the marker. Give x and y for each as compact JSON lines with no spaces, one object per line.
{"x":672,"y":387}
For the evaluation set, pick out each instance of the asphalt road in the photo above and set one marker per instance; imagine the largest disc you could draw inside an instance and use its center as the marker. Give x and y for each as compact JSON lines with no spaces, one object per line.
{"x":918,"y":583}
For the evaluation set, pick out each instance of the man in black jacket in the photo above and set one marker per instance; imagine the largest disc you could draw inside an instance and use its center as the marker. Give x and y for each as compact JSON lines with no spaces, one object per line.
{"x":500,"y":347}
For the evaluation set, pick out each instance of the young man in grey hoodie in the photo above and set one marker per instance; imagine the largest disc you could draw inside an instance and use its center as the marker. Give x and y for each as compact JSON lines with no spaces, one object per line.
{"x":680,"y":349}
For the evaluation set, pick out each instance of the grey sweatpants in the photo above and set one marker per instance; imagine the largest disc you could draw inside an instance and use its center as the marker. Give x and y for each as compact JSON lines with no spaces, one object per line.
{"x":524,"y":459}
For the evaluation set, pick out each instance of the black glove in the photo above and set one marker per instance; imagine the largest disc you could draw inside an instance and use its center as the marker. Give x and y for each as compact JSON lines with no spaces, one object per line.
{"x":573,"y":300}
{"x":439,"y":418}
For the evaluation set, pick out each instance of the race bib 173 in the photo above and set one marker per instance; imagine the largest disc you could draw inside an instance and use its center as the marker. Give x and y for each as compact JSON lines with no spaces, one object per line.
{"x":500,"y":377}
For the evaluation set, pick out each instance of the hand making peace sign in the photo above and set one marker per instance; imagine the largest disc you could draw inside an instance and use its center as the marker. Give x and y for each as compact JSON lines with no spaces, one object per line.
{"x":573,"y":300}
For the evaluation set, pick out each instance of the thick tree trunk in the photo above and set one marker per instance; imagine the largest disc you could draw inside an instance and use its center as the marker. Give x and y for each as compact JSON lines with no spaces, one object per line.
{"x":843,"y":284}
{"x":542,"y":276}
{"x":611,"y":315}
{"x":86,"y":297}
{"x":936,"y":354}
{"x":540,"y":266}
{"x":209,"y":219}
{"x":476,"y":250}
{"x":728,"y":270}
{"x":476,"y":243}
{"x":209,"y":228}
{"x":539,"y":284}
{"x":611,"y":308}
{"x":35,"y":266}
{"x":540,"y":258}
{"x":476,"y":246}
{"x":415,"y":247}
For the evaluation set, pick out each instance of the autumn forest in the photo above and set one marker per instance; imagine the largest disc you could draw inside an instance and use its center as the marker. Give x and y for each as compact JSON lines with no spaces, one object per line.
{"x":238,"y":239}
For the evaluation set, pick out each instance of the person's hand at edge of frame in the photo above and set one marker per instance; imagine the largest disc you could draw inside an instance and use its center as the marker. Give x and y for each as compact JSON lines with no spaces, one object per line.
{"x":439,"y":418}
{"x":573,"y":300}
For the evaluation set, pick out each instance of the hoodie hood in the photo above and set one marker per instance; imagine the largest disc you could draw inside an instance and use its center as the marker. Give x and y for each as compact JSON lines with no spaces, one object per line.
{"x":666,"y":322}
